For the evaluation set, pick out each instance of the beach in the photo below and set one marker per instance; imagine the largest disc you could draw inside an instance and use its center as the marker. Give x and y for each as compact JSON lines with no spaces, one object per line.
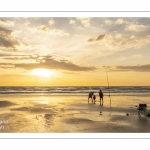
{"x":28,"y":113}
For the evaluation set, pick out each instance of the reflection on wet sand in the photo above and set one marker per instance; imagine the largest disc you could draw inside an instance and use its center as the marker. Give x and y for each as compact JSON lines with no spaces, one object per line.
{"x":61,"y":114}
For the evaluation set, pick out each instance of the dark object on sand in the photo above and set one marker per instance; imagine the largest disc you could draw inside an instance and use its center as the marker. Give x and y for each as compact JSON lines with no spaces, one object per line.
{"x":100,"y":113}
{"x":148,"y":114}
{"x":127,"y":114}
{"x":142,"y":109}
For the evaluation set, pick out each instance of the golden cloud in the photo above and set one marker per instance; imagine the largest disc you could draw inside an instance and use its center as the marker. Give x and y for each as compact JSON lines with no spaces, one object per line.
{"x":43,"y":28}
{"x":6,"y":22}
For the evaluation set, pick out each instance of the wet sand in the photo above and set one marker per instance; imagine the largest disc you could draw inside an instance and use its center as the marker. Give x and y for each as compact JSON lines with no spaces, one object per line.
{"x":71,"y":114}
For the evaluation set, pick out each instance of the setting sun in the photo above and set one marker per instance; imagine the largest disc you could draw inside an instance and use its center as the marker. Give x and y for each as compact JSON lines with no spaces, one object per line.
{"x":42,"y":72}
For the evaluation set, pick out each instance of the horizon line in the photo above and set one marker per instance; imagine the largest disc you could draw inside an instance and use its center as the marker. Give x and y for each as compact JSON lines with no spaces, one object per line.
{"x":74,"y":11}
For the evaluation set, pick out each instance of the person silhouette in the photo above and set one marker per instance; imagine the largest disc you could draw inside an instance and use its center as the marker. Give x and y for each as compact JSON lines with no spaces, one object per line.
{"x":94,"y":98}
{"x":90,"y":96}
{"x":101,"y":96}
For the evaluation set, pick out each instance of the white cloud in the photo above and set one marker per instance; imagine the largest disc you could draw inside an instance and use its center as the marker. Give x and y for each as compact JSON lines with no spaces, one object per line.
{"x":119,"y":35}
{"x":135,"y":27}
{"x":85,"y":21}
{"x":51,"y":22}
{"x":114,"y":43}
{"x":109,"y":22}
{"x":72,"y":22}
{"x":131,"y":26}
{"x":58,"y":32}
{"x":132,"y":37}
{"x":121,"y":21}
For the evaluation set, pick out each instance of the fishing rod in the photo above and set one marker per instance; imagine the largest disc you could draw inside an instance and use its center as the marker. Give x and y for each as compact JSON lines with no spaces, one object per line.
{"x":108,"y":86}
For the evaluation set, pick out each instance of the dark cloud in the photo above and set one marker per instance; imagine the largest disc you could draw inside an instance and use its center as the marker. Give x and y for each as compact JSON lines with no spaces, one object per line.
{"x":91,"y":40}
{"x":51,"y":63}
{"x":48,"y":62}
{"x":140,"y":68}
{"x":7,"y":40}
{"x":9,"y":43}
{"x":99,"y":38}
{"x":2,"y":20}
{"x":4,"y":31}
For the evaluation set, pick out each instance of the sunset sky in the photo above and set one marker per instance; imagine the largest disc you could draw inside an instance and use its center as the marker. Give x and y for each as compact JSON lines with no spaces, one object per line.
{"x":73,"y":51}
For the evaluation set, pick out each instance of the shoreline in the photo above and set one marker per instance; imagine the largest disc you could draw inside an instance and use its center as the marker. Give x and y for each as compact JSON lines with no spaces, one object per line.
{"x":72,"y":114}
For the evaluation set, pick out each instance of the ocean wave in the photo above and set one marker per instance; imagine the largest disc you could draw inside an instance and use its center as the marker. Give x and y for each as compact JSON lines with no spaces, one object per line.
{"x":113,"y":90}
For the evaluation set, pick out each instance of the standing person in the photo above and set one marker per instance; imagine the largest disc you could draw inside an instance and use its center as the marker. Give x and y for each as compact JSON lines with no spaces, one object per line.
{"x":90,"y":96}
{"x":101,"y":96}
{"x":94,"y":98}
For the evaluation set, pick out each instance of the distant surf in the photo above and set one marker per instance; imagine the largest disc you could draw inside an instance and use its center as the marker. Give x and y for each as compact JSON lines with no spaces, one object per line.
{"x":75,"y":90}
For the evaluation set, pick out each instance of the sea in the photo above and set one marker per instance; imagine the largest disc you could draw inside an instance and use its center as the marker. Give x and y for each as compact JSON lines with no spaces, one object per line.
{"x":76,"y":90}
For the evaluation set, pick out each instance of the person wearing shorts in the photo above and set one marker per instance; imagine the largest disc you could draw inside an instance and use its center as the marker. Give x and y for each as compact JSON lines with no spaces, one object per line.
{"x":90,"y":96}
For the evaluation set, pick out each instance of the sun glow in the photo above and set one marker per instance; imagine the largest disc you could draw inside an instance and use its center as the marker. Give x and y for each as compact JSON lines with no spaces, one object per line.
{"x":42,"y":72}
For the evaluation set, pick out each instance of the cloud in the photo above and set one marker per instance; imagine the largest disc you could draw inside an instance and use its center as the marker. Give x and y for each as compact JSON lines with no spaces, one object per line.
{"x":6,"y":66}
{"x":27,"y":22}
{"x":91,"y":40}
{"x":118,"y":42}
{"x":131,"y":26}
{"x":85,"y":21}
{"x":135,"y":27}
{"x":132,"y":37}
{"x":43,"y":28}
{"x":119,"y":35}
{"x":50,"y":62}
{"x":51,"y":22}
{"x":138,"y":68}
{"x":109,"y":22}
{"x":100,"y":37}
{"x":7,"y":40}
{"x":58,"y":32}
{"x":72,"y":22}
{"x":6,"y":22}
{"x":4,"y":31}
{"x":121,"y":21}
{"x":20,"y":57}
